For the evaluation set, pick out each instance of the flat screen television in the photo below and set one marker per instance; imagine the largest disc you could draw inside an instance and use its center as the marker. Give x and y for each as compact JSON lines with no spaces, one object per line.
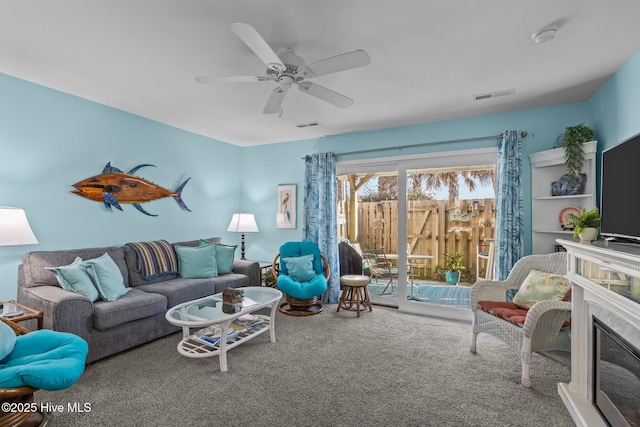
{"x":620,"y":191}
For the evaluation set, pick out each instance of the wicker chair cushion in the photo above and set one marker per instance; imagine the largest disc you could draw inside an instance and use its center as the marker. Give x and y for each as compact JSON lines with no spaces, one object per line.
{"x":44,"y":359}
{"x":505,"y":310}
{"x":542,"y":286}
{"x":7,"y":340}
{"x":300,"y":268}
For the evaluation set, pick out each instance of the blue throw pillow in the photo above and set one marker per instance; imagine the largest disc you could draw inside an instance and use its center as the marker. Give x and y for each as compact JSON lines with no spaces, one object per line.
{"x":7,"y":340}
{"x":74,"y":278}
{"x":300,"y":268}
{"x":224,"y":255}
{"x":107,"y":277}
{"x":197,"y":262}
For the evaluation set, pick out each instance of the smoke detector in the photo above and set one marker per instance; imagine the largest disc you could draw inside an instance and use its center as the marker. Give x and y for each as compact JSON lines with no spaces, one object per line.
{"x":546,"y":34}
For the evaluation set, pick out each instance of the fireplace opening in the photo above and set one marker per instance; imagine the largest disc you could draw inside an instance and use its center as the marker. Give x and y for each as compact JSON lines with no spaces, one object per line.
{"x":616,"y":370}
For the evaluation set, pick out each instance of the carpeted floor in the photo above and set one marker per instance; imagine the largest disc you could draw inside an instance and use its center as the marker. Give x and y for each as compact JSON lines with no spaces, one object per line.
{"x":384,"y":369}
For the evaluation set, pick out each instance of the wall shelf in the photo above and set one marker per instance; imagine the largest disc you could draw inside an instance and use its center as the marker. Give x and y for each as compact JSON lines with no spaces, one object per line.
{"x":546,"y":167}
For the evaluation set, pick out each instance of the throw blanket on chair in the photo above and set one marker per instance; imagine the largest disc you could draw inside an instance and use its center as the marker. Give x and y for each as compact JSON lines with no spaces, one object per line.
{"x":154,"y":259}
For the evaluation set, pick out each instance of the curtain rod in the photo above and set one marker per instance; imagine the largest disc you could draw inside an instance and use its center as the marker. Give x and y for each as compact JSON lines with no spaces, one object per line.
{"x":425,"y":144}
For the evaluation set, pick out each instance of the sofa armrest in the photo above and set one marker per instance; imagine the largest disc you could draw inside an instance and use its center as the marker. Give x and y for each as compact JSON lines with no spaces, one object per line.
{"x":62,"y":310}
{"x":248,"y":268}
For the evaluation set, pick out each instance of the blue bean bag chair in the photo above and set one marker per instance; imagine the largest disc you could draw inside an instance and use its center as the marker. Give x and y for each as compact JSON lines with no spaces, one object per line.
{"x":302,"y":278}
{"x":41,"y":359}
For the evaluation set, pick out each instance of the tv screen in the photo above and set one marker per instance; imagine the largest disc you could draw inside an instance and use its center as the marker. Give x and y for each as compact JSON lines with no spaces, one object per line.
{"x":620,"y":191}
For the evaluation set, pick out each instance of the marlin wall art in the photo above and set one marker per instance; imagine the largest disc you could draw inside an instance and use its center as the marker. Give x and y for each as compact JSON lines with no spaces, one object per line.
{"x":113,"y":187}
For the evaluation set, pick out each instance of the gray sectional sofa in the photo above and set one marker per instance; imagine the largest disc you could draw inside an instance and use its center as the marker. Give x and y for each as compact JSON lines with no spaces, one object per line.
{"x":133,"y":319}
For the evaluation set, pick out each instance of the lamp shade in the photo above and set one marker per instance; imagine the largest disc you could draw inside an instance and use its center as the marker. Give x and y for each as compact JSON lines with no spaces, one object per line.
{"x":243,"y":223}
{"x":14,"y":228}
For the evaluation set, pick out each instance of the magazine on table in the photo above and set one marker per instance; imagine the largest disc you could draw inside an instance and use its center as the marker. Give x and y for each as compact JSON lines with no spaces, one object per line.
{"x":211,"y":335}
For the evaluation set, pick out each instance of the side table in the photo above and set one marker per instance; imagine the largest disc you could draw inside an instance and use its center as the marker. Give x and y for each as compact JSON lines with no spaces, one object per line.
{"x":28,"y":313}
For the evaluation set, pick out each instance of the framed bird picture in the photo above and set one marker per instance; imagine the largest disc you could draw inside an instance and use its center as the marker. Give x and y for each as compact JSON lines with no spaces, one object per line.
{"x":286,"y":209}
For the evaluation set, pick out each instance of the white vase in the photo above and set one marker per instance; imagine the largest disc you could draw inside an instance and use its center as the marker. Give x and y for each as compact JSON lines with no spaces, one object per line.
{"x":588,"y":234}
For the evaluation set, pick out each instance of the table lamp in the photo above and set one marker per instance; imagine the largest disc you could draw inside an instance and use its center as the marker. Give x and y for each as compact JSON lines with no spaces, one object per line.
{"x":14,"y":228}
{"x":243,"y":223}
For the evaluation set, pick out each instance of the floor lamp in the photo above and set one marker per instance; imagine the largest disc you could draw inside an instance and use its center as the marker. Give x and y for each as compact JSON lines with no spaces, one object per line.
{"x":243,"y":223}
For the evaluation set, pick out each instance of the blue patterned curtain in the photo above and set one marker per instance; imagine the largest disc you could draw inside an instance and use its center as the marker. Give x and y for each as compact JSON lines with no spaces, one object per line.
{"x":509,"y":212}
{"x":320,"y":224}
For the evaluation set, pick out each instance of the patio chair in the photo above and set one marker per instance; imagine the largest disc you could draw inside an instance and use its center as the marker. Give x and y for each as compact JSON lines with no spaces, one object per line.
{"x":379,"y":267}
{"x":542,"y":326}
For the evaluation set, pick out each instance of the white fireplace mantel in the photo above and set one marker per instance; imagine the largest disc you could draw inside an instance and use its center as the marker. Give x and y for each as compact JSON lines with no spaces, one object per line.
{"x":606,"y":281}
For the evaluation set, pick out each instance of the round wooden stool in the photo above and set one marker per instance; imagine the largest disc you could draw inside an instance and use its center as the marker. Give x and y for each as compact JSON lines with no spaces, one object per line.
{"x":355,"y":296}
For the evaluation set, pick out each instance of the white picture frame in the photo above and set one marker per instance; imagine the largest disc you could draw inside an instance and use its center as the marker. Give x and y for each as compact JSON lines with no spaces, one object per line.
{"x":286,"y":206}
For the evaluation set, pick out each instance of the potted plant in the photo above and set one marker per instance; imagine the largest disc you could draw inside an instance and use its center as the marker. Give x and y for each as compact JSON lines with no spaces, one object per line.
{"x":572,"y":140}
{"x":451,"y":268}
{"x":585,"y":225}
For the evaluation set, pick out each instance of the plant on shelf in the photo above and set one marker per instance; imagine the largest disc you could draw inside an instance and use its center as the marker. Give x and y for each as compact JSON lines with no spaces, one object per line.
{"x":585,"y":225}
{"x":451,"y":268}
{"x":572,"y":140}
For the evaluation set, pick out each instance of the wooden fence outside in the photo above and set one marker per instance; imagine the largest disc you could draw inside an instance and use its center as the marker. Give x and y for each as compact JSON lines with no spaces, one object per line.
{"x":433,"y":228}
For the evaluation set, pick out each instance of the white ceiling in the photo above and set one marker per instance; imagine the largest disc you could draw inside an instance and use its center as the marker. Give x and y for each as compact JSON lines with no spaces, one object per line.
{"x":429,"y":57}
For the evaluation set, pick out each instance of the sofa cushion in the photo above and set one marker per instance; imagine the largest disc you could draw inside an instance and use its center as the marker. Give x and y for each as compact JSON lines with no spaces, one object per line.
{"x":106,"y":276}
{"x":134,"y":305}
{"x":35,"y":263}
{"x":182,"y":290}
{"x":225,"y":255}
{"x":198,"y":262}
{"x":542,"y":286}
{"x":75,"y":278}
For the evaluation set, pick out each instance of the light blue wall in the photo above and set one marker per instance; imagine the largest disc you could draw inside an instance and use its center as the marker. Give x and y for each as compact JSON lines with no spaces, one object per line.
{"x":264,"y":168}
{"x":50,"y":140}
{"x":543,"y":126}
{"x":615,"y":108}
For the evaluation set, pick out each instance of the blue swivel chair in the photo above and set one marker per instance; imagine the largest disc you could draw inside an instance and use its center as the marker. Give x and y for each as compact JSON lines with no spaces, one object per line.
{"x":43,"y":359}
{"x":301,"y":273}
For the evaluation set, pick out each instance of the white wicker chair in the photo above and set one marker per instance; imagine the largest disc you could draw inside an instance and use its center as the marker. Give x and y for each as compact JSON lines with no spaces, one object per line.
{"x":542,"y":328}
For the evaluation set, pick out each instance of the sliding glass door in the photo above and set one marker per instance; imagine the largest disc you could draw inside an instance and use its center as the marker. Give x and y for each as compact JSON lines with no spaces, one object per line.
{"x":417,"y":221}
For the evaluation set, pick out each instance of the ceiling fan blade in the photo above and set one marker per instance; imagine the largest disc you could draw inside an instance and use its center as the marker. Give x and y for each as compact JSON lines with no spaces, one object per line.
{"x":275,"y":100}
{"x":345,"y":61}
{"x":250,"y":36}
{"x":230,"y":79}
{"x":325,"y":94}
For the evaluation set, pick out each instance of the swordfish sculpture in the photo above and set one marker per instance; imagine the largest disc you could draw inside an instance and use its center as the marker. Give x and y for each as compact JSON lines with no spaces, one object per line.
{"x":113,"y":187}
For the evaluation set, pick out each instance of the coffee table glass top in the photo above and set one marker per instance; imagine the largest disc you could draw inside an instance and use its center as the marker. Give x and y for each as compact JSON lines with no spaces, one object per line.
{"x":212,"y":309}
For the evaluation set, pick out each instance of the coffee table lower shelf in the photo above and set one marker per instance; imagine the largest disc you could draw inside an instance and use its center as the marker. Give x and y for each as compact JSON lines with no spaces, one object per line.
{"x":191,"y":347}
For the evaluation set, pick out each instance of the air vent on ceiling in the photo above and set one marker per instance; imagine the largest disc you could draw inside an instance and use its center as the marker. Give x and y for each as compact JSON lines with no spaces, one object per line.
{"x":491,"y":95}
{"x":307,"y":125}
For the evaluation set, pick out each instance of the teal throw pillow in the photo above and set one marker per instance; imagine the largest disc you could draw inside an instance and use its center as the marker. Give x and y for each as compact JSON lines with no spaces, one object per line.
{"x":197,"y":262}
{"x":7,"y":340}
{"x":107,"y":277}
{"x":225,"y":255}
{"x":542,"y":286}
{"x":300,"y":268}
{"x":74,"y":278}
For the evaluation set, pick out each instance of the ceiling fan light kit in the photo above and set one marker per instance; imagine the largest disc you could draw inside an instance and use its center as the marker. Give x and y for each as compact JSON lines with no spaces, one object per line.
{"x":286,"y":69}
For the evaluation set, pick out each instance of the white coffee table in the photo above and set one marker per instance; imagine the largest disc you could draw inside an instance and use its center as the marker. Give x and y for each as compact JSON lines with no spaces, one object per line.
{"x":208,"y":311}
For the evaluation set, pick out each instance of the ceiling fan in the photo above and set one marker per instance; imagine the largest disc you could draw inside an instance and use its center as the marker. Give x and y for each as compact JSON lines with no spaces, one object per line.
{"x":286,"y":68}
